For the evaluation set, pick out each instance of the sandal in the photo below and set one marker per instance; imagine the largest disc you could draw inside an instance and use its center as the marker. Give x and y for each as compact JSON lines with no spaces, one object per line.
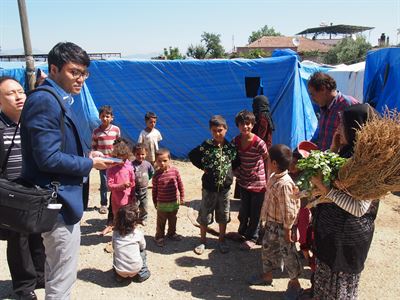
{"x":159,"y":242}
{"x":200,"y":249}
{"x":175,"y":237}
{"x":223,"y":247}
{"x":257,"y":279}
{"x":247,"y":245}
{"x":103,"y":210}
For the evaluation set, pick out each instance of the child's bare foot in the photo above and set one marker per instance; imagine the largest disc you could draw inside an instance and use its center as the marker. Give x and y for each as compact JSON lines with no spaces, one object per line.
{"x":106,"y":230}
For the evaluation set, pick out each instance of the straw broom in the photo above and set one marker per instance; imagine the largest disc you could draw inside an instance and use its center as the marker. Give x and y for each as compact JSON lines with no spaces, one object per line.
{"x":374,"y":169}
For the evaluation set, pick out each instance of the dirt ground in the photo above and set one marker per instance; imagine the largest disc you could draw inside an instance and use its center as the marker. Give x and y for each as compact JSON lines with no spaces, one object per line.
{"x":178,"y":273}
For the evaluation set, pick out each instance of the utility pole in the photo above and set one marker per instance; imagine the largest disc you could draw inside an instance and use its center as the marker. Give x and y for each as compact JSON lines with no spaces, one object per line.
{"x":30,"y":63}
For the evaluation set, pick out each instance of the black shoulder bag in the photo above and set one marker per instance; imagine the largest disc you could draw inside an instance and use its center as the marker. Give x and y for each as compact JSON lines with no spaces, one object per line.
{"x":25,"y":207}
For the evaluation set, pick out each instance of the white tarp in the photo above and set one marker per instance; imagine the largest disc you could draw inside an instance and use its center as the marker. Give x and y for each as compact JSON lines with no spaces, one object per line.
{"x":349,"y":79}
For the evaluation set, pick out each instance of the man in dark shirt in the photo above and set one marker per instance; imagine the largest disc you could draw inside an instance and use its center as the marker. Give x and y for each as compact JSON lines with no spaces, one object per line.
{"x":25,"y":252}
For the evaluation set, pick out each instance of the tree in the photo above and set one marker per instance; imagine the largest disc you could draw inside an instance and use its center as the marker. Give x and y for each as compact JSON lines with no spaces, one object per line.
{"x":198,"y":51}
{"x":264,"y":31}
{"x":210,"y":48}
{"x":348,"y":51}
{"x":173,"y":53}
{"x":255,"y":53}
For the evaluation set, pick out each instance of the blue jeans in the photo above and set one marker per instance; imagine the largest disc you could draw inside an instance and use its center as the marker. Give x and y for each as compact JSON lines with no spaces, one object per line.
{"x":103,"y":188}
{"x":144,"y":272}
{"x":249,"y":213}
{"x":141,"y":199}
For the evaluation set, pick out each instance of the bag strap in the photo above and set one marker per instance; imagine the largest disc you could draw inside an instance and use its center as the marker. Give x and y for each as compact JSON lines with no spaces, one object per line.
{"x":62,"y":124}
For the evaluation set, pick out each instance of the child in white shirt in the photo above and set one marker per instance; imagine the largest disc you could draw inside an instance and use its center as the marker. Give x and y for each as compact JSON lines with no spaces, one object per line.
{"x":150,"y":136}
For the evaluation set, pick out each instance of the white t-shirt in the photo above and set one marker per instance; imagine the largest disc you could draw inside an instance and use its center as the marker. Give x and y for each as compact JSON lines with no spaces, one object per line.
{"x":150,"y":139}
{"x":127,"y":251}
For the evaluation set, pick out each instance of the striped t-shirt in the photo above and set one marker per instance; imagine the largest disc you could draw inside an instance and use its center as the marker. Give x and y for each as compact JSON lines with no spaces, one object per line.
{"x":103,"y":140}
{"x":14,"y":165}
{"x":251,"y":173}
{"x":166,"y":185}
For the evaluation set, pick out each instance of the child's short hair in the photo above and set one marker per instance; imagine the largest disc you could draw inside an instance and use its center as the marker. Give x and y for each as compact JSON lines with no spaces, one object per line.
{"x":126,"y":219}
{"x":217,"y":120}
{"x":245,"y":116}
{"x":139,"y":147}
{"x":150,"y":115}
{"x":163,"y":151}
{"x":107,"y":109}
{"x":122,"y":148}
{"x":282,"y":155}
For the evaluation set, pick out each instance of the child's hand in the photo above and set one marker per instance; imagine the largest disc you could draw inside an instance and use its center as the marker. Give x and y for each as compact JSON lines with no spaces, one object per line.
{"x":182,"y":202}
{"x":127,"y":184}
{"x":288,"y":235}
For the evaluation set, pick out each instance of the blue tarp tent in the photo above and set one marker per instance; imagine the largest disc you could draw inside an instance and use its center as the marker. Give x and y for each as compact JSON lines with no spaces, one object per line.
{"x":382,"y":78}
{"x":186,"y":93}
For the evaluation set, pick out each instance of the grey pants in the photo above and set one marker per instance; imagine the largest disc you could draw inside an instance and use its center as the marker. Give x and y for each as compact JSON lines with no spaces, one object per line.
{"x":62,"y":252}
{"x":275,"y":248}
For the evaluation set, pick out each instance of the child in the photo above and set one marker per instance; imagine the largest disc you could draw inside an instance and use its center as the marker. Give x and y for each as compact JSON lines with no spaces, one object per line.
{"x":129,"y":258}
{"x":279,"y":211}
{"x":215,"y":157}
{"x":143,"y":173}
{"x":120,"y":178}
{"x":251,"y":177}
{"x":166,"y":184}
{"x":150,"y":137}
{"x":103,"y":138}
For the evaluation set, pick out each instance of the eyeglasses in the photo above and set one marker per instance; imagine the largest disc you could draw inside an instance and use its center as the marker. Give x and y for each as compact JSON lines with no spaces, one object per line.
{"x":76,"y":74}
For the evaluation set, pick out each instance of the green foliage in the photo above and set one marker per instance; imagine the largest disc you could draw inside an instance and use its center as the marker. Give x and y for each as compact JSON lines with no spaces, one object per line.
{"x":348,"y":51}
{"x":211,"y":47}
{"x":173,"y":53}
{"x":198,"y":51}
{"x":255,"y":53}
{"x":264,"y":31}
{"x":325,"y":162}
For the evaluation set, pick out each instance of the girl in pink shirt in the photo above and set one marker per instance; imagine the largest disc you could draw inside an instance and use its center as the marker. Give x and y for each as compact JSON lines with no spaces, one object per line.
{"x":121,"y":178}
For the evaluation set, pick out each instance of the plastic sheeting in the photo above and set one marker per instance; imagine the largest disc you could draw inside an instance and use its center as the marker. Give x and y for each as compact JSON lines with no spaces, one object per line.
{"x":382,"y":78}
{"x":185,"y":94}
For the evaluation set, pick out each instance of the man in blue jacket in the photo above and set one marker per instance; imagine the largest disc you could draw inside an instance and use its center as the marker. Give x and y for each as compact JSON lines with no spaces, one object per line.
{"x":48,"y":155}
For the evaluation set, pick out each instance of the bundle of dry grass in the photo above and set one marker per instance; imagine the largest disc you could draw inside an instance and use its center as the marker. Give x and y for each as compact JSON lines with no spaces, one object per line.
{"x":374,"y":169}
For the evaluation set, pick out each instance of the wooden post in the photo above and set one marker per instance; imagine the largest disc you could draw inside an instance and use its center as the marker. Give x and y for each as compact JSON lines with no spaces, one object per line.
{"x":30,"y":63}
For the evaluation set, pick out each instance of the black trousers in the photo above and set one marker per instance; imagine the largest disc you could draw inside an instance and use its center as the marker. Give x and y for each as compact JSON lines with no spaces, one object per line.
{"x":26,"y":258}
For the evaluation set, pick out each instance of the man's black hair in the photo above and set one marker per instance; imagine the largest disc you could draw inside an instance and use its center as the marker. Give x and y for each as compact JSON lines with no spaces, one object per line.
{"x":66,"y":52}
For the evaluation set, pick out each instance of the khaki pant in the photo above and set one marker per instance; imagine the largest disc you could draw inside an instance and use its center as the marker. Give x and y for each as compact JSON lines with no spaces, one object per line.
{"x":162,"y":218}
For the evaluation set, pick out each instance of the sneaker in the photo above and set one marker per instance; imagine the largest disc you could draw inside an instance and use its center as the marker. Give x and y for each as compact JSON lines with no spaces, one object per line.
{"x":103,"y":210}
{"x":175,"y":237}
{"x":139,"y":279}
{"x":199,"y":249}
{"x":159,"y":242}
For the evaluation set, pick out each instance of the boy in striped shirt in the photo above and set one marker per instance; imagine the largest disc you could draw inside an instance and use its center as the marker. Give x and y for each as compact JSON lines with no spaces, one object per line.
{"x":103,"y":138}
{"x":250,"y":177}
{"x":167,"y":184}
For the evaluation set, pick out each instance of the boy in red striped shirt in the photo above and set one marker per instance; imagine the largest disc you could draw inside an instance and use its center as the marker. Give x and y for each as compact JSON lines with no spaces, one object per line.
{"x":103,"y":138}
{"x":250,"y":177}
{"x":167,"y":184}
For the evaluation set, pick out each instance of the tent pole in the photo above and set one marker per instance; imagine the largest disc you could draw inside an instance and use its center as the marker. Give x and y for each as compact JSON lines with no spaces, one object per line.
{"x":30,"y":63}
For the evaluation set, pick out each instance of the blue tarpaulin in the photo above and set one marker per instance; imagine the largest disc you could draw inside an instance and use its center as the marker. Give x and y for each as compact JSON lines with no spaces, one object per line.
{"x":186,"y":93}
{"x":382,"y":78}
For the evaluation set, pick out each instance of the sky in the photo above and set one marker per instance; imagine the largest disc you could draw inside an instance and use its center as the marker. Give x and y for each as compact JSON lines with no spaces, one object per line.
{"x":146,"y":27}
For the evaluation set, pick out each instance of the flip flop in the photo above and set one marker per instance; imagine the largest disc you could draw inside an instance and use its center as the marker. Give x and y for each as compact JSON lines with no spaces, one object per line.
{"x":199,"y":249}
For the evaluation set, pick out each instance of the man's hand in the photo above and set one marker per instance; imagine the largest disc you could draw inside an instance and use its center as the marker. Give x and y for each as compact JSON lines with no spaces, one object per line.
{"x":100,"y":163}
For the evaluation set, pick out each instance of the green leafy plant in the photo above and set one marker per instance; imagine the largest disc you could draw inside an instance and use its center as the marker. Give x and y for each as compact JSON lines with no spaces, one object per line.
{"x":325,"y":162}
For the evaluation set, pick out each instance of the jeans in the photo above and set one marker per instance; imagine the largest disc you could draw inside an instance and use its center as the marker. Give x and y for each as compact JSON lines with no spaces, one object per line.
{"x":103,"y":188}
{"x":249,"y":213}
{"x":144,"y":272}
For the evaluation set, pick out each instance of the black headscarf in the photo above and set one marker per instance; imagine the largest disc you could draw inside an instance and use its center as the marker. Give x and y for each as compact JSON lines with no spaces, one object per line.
{"x":261,"y":105}
{"x":353,"y":117}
